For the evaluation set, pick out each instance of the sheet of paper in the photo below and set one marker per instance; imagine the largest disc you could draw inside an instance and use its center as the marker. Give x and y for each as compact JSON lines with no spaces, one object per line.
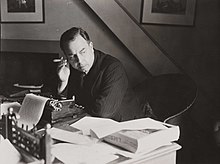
{"x":101,"y":127}
{"x":78,"y":154}
{"x":87,"y":123}
{"x":143,"y":123}
{"x":31,"y":110}
{"x":71,"y":137}
{"x":4,"y":107}
{"x":8,"y":153}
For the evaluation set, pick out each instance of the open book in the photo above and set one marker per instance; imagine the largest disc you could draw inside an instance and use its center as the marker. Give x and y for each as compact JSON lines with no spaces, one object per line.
{"x":140,"y":135}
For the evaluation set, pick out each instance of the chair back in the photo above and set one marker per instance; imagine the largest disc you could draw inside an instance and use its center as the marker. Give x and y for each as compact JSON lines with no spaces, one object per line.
{"x":171,"y":96}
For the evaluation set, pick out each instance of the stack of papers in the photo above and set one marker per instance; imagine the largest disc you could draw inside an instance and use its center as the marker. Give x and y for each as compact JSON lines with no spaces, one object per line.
{"x":136,"y":136}
{"x":88,"y":150}
{"x":102,"y":127}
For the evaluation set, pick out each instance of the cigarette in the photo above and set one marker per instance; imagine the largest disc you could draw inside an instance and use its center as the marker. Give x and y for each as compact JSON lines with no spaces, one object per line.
{"x":57,"y":60}
{"x":68,"y":100}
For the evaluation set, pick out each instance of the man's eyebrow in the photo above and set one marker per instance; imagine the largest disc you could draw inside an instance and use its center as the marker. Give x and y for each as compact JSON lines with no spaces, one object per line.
{"x":70,"y":54}
{"x":82,"y":49}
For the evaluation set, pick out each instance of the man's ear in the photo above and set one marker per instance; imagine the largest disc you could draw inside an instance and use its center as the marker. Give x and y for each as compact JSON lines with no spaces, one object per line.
{"x":91,"y":44}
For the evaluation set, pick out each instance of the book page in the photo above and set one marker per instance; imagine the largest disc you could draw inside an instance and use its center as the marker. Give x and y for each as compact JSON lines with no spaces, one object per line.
{"x":71,"y":137}
{"x":106,"y":126}
{"x":139,"y":124}
{"x":31,"y":110}
{"x":137,"y":133}
{"x":143,"y":123}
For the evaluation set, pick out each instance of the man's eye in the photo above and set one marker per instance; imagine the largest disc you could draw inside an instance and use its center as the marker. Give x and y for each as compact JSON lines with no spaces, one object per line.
{"x":71,"y":57}
{"x":83,"y":52}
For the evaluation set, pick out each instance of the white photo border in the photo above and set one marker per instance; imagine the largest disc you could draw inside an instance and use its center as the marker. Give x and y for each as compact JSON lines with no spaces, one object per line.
{"x":187,"y":19}
{"x":23,"y":17}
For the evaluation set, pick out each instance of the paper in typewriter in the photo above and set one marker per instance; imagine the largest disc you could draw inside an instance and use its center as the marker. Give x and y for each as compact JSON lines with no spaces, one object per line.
{"x":31,"y":110}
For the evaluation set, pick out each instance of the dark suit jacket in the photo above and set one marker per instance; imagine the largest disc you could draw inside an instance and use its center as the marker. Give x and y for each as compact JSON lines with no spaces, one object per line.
{"x":105,"y":90}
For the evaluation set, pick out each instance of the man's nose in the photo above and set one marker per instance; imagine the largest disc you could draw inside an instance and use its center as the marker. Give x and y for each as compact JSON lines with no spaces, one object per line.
{"x":78,"y":59}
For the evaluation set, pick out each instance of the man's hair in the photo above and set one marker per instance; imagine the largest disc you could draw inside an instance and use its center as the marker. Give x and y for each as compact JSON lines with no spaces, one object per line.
{"x":71,"y":34}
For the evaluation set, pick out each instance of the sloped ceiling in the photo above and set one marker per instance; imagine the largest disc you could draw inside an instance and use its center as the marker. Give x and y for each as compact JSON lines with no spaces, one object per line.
{"x":132,"y":36}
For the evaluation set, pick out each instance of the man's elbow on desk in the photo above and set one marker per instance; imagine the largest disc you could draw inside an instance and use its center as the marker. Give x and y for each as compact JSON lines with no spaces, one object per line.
{"x":95,"y":112}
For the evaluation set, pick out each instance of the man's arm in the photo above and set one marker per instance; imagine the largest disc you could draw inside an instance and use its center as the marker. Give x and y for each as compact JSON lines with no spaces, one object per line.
{"x":61,"y":87}
{"x":113,"y":87}
{"x":63,"y":72}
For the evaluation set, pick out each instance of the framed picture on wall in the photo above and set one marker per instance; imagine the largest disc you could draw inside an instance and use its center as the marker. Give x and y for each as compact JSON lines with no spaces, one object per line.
{"x":170,"y":12}
{"x":22,"y":11}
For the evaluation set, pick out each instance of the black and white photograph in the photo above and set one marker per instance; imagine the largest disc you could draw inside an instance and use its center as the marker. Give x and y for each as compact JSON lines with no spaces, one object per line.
{"x":21,"y":6}
{"x":109,"y":82}
{"x":172,"y":12}
{"x":169,"y":6}
{"x":22,"y":11}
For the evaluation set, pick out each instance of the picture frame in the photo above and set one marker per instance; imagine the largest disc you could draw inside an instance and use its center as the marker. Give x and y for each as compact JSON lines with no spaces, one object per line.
{"x":22,"y":11}
{"x":168,"y":12}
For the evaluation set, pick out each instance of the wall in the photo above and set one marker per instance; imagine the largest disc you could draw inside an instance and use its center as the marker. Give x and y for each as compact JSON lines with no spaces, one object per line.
{"x":196,"y":50}
{"x":59,"y":16}
{"x":199,"y":55}
{"x":132,"y":36}
{"x":199,"y":45}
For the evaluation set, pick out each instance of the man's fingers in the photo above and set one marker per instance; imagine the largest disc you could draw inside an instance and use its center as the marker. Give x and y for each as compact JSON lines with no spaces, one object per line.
{"x":62,"y":63}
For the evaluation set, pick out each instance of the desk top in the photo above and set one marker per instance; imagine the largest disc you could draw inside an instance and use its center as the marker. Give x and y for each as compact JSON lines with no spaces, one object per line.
{"x":142,"y":158}
{"x":166,"y":153}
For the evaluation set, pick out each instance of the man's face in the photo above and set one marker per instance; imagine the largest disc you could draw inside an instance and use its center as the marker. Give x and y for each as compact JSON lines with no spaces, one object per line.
{"x":80,"y":54}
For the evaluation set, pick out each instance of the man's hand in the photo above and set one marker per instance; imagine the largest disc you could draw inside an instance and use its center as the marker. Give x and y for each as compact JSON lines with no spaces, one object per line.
{"x":63,"y":70}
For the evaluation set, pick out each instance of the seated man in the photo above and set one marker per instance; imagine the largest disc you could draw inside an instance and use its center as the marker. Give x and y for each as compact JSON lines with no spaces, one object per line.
{"x":97,"y":80}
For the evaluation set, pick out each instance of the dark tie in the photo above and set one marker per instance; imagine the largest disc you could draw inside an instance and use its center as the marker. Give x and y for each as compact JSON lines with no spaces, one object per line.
{"x":82,"y":80}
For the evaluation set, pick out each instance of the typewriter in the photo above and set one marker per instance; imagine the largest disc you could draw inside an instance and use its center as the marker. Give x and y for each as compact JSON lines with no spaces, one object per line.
{"x":60,"y":112}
